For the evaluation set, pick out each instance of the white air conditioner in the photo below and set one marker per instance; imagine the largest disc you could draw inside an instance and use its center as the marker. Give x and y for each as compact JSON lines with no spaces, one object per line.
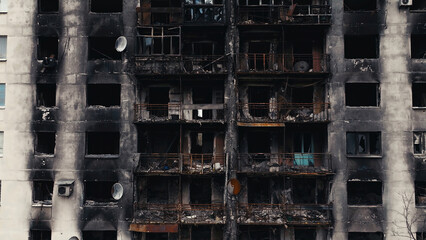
{"x":405,"y":2}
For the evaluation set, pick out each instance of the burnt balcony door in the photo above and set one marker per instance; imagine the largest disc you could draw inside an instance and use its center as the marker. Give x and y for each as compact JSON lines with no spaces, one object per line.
{"x":258,"y":98}
{"x":158,"y":102}
{"x":303,"y":149}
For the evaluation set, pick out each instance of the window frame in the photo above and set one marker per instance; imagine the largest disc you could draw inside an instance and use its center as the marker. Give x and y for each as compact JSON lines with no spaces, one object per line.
{"x":3,"y":59}
{"x":4,"y":4}
{"x":48,"y":202}
{"x":378,"y":95}
{"x":368,"y":144}
{"x":422,"y":143}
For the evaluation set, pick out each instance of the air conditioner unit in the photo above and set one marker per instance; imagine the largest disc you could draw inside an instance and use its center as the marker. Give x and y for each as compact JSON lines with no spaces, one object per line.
{"x":65,"y":188}
{"x":405,"y":2}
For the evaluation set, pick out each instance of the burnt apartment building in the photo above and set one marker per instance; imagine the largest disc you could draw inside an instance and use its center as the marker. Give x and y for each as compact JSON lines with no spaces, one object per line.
{"x":212,"y":119}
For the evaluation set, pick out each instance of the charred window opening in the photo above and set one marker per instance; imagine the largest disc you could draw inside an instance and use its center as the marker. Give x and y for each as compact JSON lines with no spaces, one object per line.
{"x":302,"y":95}
{"x":419,"y":94}
{"x":253,"y":232}
{"x":158,"y":190}
{"x":303,"y":234}
{"x":99,"y":235}
{"x":304,"y":191}
{"x":46,"y":95}
{"x":40,"y":235}
{"x":418,"y":48}
{"x":202,"y":95}
{"x":47,"y":49}
{"x":43,"y":191}
{"x":419,"y":142}
{"x":418,"y":5}
{"x":106,"y":6}
{"x":361,"y":46}
{"x":360,"y":5}
{"x":258,"y":98}
{"x":202,"y":142}
{"x":45,"y":143}
{"x":258,"y":190}
{"x":420,"y":192}
{"x":259,"y":142}
{"x":258,"y":55}
{"x":98,"y":191}
{"x":364,"y":193}
{"x":158,"y":100}
{"x":362,"y":94}
{"x":48,"y":6}
{"x":201,"y":232}
{"x":421,"y":236}
{"x":103,"y":94}
{"x":156,"y":236}
{"x":159,"y":41}
{"x":159,"y":141}
{"x":363,"y":143}
{"x":365,"y":236}
{"x":204,"y":48}
{"x":103,"y":143}
{"x":103,"y":48}
{"x":200,"y":191}
{"x":165,"y":3}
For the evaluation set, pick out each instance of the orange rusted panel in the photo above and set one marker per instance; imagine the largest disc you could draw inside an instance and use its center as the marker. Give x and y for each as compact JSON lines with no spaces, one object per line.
{"x":243,"y":124}
{"x":154,"y":228}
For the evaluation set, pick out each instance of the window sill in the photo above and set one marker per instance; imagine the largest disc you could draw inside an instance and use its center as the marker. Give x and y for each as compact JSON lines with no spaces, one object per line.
{"x":90,"y":203}
{"x":365,"y":156}
{"x":105,"y":156}
{"x":97,"y":107}
{"x":366,"y":206}
{"x":44,"y":155}
{"x":3,"y":60}
{"x":419,"y":108}
{"x":42,"y":204}
{"x":363,"y":107}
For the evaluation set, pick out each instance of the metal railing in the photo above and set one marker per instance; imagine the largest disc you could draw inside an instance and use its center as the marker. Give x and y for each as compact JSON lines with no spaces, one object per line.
{"x":203,"y":163}
{"x":283,"y":112}
{"x":204,"y":13}
{"x":267,"y":62}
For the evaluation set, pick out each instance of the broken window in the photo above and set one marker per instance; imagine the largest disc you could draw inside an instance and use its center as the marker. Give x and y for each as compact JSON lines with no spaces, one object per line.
{"x":304,"y":190}
{"x":48,"y":6}
{"x":43,"y":191}
{"x":419,"y":142}
{"x":47,"y":49}
{"x":365,"y":236}
{"x":46,"y":95}
{"x":45,"y":143}
{"x":419,"y":94}
{"x":100,"y":235}
{"x":258,"y":98}
{"x":158,"y":190}
{"x":362,"y":94}
{"x":103,"y":94}
{"x":418,"y":48}
{"x":159,"y":41}
{"x":40,"y":235}
{"x":361,"y":46}
{"x":304,"y":233}
{"x":99,"y":191}
{"x":420,"y":192}
{"x":3,"y":47}
{"x":364,"y":193}
{"x":363,"y":143}
{"x":258,"y":190}
{"x":200,"y":191}
{"x":106,"y":6}
{"x":103,"y":48}
{"x":360,"y":5}
{"x":103,"y":143}
{"x":3,"y":7}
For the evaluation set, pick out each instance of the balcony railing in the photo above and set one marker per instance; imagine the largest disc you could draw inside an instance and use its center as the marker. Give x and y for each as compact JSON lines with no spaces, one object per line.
{"x":285,"y":14}
{"x":203,"y":163}
{"x":286,"y":162}
{"x":283,"y":112}
{"x":177,"y":111}
{"x":204,"y":13}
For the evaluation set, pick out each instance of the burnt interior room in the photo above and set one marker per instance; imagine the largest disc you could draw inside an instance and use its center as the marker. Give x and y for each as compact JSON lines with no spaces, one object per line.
{"x":363,"y":143}
{"x":258,"y":99}
{"x":98,"y":191}
{"x":210,"y":43}
{"x":100,"y":235}
{"x":202,"y":142}
{"x":419,"y":142}
{"x":201,"y":232}
{"x":106,"y":95}
{"x":365,"y":236}
{"x":200,"y":191}
{"x":48,"y":6}
{"x":157,"y":189}
{"x":103,"y":48}
{"x":159,"y":41}
{"x":364,"y":192}
{"x":420,"y":192}
{"x":418,"y":48}
{"x":40,"y":234}
{"x":421,"y":235}
{"x":360,"y":5}
{"x":47,"y":47}
{"x":46,"y":95}
{"x":258,"y":190}
{"x":259,"y":232}
{"x":45,"y":143}
{"x":362,"y":94}
{"x":106,"y":6}
{"x":308,"y":190}
{"x":361,"y":46}
{"x":158,"y":140}
{"x":306,"y":138}
{"x":156,"y":236}
{"x":158,"y":98}
{"x":207,"y":95}
{"x":419,"y":94}
{"x":42,"y":191}
{"x":103,"y":143}
{"x":259,"y":142}
{"x":304,"y":233}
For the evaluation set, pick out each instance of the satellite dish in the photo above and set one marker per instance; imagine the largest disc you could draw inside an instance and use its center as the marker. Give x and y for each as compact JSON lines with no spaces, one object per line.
{"x":233,"y":186}
{"x":73,"y":238}
{"x":120,"y":44}
{"x":117,"y":191}
{"x":301,"y":66}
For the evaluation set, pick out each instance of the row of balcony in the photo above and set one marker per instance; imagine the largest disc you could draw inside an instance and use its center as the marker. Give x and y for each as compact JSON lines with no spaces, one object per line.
{"x":286,"y":163}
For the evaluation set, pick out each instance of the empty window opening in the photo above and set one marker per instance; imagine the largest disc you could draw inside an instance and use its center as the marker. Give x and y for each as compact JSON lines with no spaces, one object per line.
{"x":157,"y":236}
{"x":419,"y":94}
{"x":420,"y":192}
{"x":103,"y":48}
{"x":418,"y":48}
{"x":46,"y":95}
{"x":204,"y":48}
{"x":304,"y":191}
{"x":165,"y":3}
{"x":99,"y":235}
{"x":421,"y":236}
{"x":363,"y":143}
{"x":258,"y":98}
{"x":362,"y":94}
{"x":364,"y":193}
{"x":304,"y":234}
{"x":201,"y":232}
{"x":202,"y":95}
{"x":3,"y":47}
{"x":201,"y":142}
{"x":47,"y":50}
{"x":98,"y":191}
{"x":40,"y":235}
{"x":258,"y":190}
{"x":365,"y":236}
{"x":106,"y":6}
{"x":419,"y":142}
{"x":158,"y":99}
{"x":43,"y":191}
{"x":360,"y":5}
{"x":253,"y":232}
{"x":418,"y":5}
{"x":159,"y":41}
{"x":45,"y":143}
{"x":302,"y":95}
{"x":48,"y":6}
{"x":103,"y":94}
{"x":103,"y":143}
{"x":159,"y":142}
{"x":361,"y":46}
{"x":200,"y":191}
{"x":158,"y":190}
{"x":259,"y":142}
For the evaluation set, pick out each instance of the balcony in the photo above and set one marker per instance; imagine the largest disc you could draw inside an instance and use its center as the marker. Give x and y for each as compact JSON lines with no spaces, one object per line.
{"x":204,"y":14}
{"x":285,"y":14}
{"x":287,"y":163}
{"x":288,"y":112}
{"x":283,"y":63}
{"x":278,"y":214}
